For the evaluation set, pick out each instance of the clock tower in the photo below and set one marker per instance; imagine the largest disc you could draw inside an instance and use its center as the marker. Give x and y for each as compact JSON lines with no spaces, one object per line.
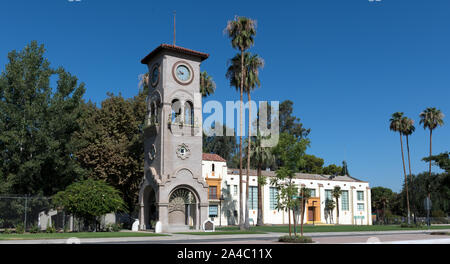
{"x":173,"y":190}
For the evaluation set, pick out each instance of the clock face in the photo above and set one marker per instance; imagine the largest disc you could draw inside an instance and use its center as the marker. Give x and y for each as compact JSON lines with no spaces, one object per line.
{"x":183,"y":73}
{"x":155,"y":75}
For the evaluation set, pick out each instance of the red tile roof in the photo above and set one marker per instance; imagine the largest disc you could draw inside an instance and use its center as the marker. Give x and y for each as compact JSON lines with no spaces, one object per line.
{"x":213,"y":157}
{"x":162,"y":47}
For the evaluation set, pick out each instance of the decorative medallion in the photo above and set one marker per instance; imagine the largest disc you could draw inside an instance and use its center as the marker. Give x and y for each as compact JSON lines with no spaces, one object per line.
{"x":183,"y":151}
{"x":152,"y":152}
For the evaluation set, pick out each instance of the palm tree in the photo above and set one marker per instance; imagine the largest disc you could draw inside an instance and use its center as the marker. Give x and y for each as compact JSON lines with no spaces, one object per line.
{"x":408,"y":129}
{"x":143,"y":82}
{"x":207,"y":85}
{"x":241,"y":31}
{"x":251,"y":80}
{"x":305,"y":195}
{"x":262,"y":157}
{"x":336,"y":193}
{"x":397,"y":125}
{"x":431,"y":118}
{"x":329,"y":207}
{"x":252,"y":63}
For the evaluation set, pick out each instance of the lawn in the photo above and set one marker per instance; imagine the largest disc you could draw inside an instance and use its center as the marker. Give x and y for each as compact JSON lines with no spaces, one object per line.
{"x":76,"y":234}
{"x":223,"y":232}
{"x":324,"y":228}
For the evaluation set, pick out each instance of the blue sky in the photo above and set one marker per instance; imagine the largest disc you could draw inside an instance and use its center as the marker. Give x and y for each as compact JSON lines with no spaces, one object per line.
{"x":347,"y":65}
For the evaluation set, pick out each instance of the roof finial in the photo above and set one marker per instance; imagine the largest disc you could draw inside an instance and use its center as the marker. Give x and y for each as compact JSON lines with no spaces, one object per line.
{"x":174,"y":27}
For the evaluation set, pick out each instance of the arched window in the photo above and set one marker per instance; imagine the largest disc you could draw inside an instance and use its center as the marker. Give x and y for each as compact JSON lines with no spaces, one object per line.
{"x":188,"y":113}
{"x":176,"y":111}
{"x":153,"y":113}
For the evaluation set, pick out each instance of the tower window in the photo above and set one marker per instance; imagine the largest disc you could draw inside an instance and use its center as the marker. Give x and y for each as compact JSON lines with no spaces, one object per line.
{"x":188,"y":113}
{"x":176,"y":111}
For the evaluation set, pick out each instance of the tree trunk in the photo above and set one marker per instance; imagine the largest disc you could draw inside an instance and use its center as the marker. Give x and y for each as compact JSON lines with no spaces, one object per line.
{"x":337,"y":210}
{"x":289,"y":218}
{"x":303,"y":216}
{"x":410,"y":177}
{"x":260,"y":220}
{"x":406,"y":182}
{"x":431,"y":140}
{"x":241,"y":199}
{"x":247,"y":224}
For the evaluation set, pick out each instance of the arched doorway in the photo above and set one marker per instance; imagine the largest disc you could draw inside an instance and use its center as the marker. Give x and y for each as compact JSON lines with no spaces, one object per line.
{"x":150,"y":208}
{"x":182,"y":207}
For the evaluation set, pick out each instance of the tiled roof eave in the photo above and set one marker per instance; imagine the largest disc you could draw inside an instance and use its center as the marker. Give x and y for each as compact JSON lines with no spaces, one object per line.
{"x":162,"y":47}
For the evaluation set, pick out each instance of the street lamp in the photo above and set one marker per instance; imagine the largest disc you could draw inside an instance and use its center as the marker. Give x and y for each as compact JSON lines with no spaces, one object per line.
{"x":220,"y":209}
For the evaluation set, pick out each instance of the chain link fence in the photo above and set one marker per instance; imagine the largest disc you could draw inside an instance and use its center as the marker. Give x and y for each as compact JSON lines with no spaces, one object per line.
{"x":398,"y":220}
{"x":32,"y":213}
{"x":18,"y":210}
{"x":36,"y":213}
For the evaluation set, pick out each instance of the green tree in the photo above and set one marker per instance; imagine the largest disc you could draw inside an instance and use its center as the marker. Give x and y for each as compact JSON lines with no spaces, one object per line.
{"x":263,"y":158}
{"x":397,"y":124}
{"x":224,"y":146}
{"x":440,"y":183}
{"x":291,"y":150}
{"x":336,"y":193}
{"x":112,"y":144}
{"x":207,"y":85}
{"x":313,"y":164}
{"x":290,"y":123}
{"x":431,"y":118}
{"x":241,"y":31}
{"x":332,"y":169}
{"x":381,"y":198}
{"x":37,"y":124}
{"x":89,"y":199}
{"x":286,"y":191}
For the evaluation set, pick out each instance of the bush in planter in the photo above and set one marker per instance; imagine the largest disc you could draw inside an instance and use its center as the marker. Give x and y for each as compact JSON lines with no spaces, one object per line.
{"x":113,"y":227}
{"x":20,"y":229}
{"x":50,"y":228}
{"x":34,"y":229}
{"x":295,"y":239}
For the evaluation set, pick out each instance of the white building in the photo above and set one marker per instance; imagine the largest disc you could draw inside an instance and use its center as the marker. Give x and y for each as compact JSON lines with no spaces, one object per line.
{"x":354,"y":203}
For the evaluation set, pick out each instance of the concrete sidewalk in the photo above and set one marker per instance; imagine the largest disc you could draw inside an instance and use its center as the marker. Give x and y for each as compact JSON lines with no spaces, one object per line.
{"x":193,"y":238}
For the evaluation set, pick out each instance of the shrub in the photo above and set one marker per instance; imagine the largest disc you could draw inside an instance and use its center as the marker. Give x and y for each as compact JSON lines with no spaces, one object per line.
{"x":7,"y":231}
{"x":405,"y":225}
{"x":89,"y":199}
{"x":66,"y":228}
{"x":113,"y":227}
{"x":438,"y":213}
{"x":20,"y":229}
{"x":50,"y":228}
{"x":295,"y":239}
{"x":34,"y":229}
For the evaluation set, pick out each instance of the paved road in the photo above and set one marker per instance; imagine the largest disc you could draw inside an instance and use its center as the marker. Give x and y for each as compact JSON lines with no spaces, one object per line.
{"x":384,"y":237}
